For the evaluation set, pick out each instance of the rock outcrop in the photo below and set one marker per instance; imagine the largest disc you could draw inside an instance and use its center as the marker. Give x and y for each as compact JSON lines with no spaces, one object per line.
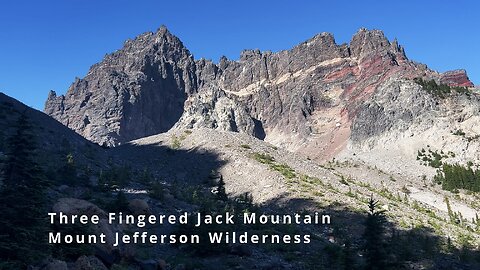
{"x":89,"y":263}
{"x":298,"y":98}
{"x":55,"y":265}
{"x":396,"y":104}
{"x":456,"y":78}
{"x":305,"y":98}
{"x":106,"y":252}
{"x":133,"y":92}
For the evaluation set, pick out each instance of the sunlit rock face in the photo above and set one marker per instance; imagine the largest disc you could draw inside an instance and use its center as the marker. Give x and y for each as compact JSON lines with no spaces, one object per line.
{"x":300,"y":98}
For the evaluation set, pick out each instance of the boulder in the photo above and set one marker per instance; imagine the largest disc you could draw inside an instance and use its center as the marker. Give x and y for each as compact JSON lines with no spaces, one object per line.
{"x":56,"y":265}
{"x":89,"y":263}
{"x":161,"y":264}
{"x":148,"y":264}
{"x":106,"y":252}
{"x":139,"y":207}
{"x":72,"y":206}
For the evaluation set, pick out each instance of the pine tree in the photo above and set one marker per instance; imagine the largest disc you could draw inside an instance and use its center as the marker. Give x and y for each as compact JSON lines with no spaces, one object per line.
{"x":221,"y":193}
{"x":68,"y":172}
{"x":120,"y":203}
{"x":23,"y":223}
{"x":374,"y":246}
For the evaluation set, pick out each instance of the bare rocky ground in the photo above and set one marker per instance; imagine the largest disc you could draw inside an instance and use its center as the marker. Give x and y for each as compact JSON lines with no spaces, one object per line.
{"x":410,"y":203}
{"x":184,"y":160}
{"x":395,"y":153}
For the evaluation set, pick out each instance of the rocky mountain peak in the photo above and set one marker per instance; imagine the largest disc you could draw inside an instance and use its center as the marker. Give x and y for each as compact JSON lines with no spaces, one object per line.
{"x":151,"y":46}
{"x":323,"y":38}
{"x":51,"y":94}
{"x":163,"y":29}
{"x":152,"y":73}
{"x":368,"y":42}
{"x":153,"y":83}
{"x":247,"y":55}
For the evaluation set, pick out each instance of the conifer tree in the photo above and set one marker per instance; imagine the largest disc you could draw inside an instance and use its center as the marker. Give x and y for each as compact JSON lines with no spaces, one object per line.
{"x":221,"y":193}
{"x":374,"y":246}
{"x":120,"y":203}
{"x":68,"y":172}
{"x":23,"y":223}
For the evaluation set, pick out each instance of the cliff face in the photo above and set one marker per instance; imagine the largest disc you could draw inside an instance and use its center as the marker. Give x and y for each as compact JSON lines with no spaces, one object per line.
{"x":456,"y":78}
{"x":303,"y":97}
{"x":134,"y":92}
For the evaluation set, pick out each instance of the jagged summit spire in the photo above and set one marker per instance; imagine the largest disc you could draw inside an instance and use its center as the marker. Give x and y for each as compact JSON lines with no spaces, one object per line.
{"x":163,"y":28}
{"x":163,"y":31}
{"x":161,"y":34}
{"x":366,"y":42}
{"x":153,"y":83}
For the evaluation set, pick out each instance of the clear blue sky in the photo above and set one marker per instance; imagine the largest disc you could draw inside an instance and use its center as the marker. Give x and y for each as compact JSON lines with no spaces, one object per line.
{"x":44,"y":45}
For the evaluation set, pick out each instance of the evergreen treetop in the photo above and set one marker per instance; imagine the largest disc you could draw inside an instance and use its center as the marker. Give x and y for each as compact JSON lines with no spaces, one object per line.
{"x":23,"y":222}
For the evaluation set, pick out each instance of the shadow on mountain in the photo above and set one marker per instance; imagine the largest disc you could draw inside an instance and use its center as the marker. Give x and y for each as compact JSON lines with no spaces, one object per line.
{"x":51,"y":137}
{"x":259,"y":131}
{"x":339,"y":245}
{"x":192,"y":174}
{"x":191,"y":166}
{"x":163,"y":97}
{"x":343,"y":243}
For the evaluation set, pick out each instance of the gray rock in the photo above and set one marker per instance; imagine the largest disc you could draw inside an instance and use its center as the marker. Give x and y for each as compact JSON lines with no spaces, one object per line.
{"x":89,"y":263}
{"x":134,"y":92}
{"x":139,"y":207}
{"x":153,"y":83}
{"x":148,"y":264}
{"x":106,"y":252}
{"x":396,"y":104}
{"x":56,"y":265}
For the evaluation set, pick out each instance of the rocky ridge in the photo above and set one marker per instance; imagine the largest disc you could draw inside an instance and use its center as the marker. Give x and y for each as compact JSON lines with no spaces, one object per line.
{"x":355,"y":101}
{"x":300,"y":98}
{"x":136,"y":91}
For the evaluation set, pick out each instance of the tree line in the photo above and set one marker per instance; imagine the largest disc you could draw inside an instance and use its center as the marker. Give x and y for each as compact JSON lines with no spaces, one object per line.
{"x":439,"y":89}
{"x":456,"y":176}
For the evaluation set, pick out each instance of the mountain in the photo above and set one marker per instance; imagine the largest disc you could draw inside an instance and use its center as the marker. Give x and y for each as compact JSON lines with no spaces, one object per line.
{"x":53,"y":139}
{"x":363,"y":102}
{"x":288,"y":98}
{"x":136,"y":91}
{"x":178,"y":170}
{"x":321,"y":127}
